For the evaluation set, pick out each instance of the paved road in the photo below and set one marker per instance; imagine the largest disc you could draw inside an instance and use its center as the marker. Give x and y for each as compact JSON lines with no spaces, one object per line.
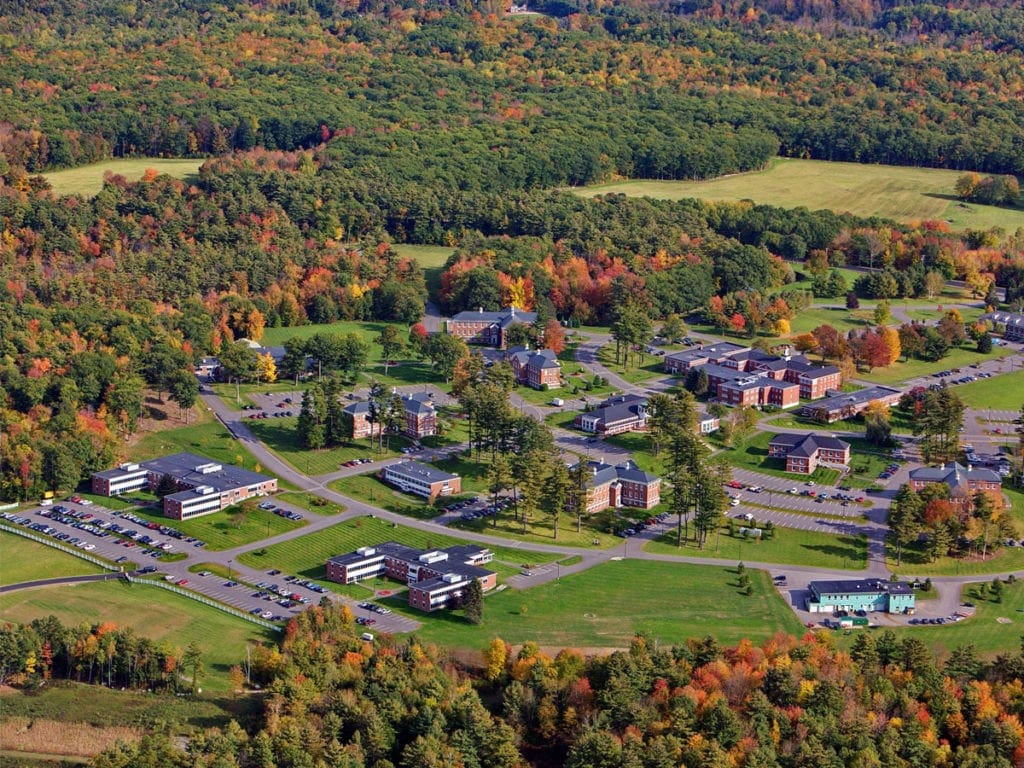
{"x":59,"y":581}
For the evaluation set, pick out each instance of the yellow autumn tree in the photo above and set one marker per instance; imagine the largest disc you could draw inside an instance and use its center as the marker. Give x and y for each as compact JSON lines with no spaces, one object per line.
{"x":266,"y":368}
{"x":495,"y":659}
{"x":891,"y":337}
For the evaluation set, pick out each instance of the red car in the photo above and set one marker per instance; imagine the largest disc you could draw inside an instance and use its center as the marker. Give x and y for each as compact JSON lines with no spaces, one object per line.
{"x":735,"y":484}
{"x":183,"y":582}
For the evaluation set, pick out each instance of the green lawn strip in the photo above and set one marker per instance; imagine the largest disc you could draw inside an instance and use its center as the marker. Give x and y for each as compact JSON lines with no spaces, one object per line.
{"x":373,"y":491}
{"x":900,"y":422}
{"x":650,"y":366}
{"x":983,"y":630}
{"x":22,"y":559}
{"x":96,"y":705}
{"x":935,"y":310}
{"x":87,"y":180}
{"x":211,"y":440}
{"x":223,"y":531}
{"x":155,"y":613}
{"x":898,"y":192}
{"x":573,"y":560}
{"x":639,"y":446}
{"x":281,"y":436}
{"x":310,"y":502}
{"x":562,"y":419}
{"x":1004,"y":392}
{"x":598,"y":527}
{"x":426,"y":256}
{"x":789,"y":546}
{"x":752,"y":454}
{"x":306,"y":556}
{"x":544,"y":397}
{"x":605,"y":606}
{"x":959,"y":357}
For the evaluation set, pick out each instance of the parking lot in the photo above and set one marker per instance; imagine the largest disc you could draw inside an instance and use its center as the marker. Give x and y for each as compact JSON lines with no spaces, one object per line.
{"x":138,"y":545}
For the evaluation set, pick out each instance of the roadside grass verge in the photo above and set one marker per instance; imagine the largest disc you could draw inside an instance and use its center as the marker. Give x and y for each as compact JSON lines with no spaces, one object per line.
{"x":22,"y":559}
{"x":787,"y":546}
{"x":605,"y":606}
{"x":155,"y":613}
{"x":310,"y":502}
{"x":307,"y":555}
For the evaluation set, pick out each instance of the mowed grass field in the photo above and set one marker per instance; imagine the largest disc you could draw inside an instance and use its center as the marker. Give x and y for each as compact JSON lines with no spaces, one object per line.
{"x":306,"y":555}
{"x":604,"y":607}
{"x":790,"y":546}
{"x":22,"y":559}
{"x":896,"y":192}
{"x":1004,"y":392}
{"x":153,"y":612}
{"x":88,"y":179}
{"x":223,"y":530}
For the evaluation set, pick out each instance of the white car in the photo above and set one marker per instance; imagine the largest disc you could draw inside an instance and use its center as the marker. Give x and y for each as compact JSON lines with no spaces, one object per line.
{"x":734,"y":502}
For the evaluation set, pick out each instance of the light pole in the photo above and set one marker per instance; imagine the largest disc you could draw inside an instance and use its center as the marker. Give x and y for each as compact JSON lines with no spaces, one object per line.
{"x":229,"y":570}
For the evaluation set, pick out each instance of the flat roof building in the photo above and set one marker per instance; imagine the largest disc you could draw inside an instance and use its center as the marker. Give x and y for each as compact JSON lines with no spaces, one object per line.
{"x":860,"y":595}
{"x":421,"y":479}
{"x":846,"y":405}
{"x":203,"y":486}
{"x":436,"y":578}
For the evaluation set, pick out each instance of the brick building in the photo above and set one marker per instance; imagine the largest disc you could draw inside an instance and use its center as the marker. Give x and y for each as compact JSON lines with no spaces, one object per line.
{"x":421,"y":479}
{"x":436,"y":578}
{"x":738,"y":388}
{"x":960,"y":479}
{"x":620,"y":485}
{"x":846,"y":405}
{"x":804,"y":453}
{"x":535,"y":368}
{"x":420,"y":416}
{"x":488,"y":328}
{"x":203,"y":486}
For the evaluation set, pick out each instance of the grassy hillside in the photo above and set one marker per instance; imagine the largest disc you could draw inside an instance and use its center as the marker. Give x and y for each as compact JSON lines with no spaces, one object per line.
{"x":897,"y":192}
{"x":88,"y":179}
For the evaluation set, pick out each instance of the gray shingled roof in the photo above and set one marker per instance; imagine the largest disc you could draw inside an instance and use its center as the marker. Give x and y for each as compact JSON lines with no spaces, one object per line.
{"x":953,"y":475}
{"x":806,"y":445}
{"x":502,"y":318}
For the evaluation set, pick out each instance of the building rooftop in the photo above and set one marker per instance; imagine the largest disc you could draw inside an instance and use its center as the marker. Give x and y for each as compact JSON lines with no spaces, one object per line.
{"x":953,"y":475}
{"x":602,"y":473}
{"x":860,"y":587}
{"x":710,"y":352}
{"x":860,"y":397}
{"x":194,"y":470}
{"x":502,"y":318}
{"x":806,"y":445}
{"x":419,"y":402}
{"x":424,"y":472}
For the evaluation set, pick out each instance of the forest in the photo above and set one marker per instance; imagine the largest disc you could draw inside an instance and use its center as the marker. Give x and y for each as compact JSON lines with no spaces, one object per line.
{"x":335,"y":700}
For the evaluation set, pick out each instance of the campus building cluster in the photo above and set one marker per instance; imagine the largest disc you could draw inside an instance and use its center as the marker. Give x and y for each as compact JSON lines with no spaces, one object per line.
{"x":420,"y":416}
{"x":488,"y":328}
{"x":860,"y":595}
{"x":436,"y":578}
{"x":805,"y":453}
{"x":203,"y":486}
{"x":742,"y":376}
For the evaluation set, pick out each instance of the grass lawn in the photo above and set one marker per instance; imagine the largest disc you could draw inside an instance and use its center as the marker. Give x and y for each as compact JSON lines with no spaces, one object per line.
{"x":87,"y":180}
{"x":373,"y":491}
{"x":790,"y":546}
{"x":651,"y":367}
{"x":219,"y":531}
{"x":900,"y":421}
{"x":596,"y":527}
{"x":937,"y":310}
{"x":563,"y":419}
{"x":210,"y":439}
{"x":1004,"y":392}
{"x":305,"y":556}
{"x":842,"y":319}
{"x":310,"y":502}
{"x":983,"y":630}
{"x":896,"y":192}
{"x":153,"y":612}
{"x":281,"y":436}
{"x":752,"y":454}
{"x":22,"y":559}
{"x":605,"y":606}
{"x":639,"y":446}
{"x":960,"y":357}
{"x":1003,"y":560}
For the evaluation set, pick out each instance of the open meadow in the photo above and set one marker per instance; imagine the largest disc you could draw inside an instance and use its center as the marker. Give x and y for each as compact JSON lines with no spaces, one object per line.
{"x":22,"y":559}
{"x":1004,"y":392}
{"x":87,"y":180}
{"x":153,"y":612}
{"x":605,"y":606}
{"x":902,"y":193}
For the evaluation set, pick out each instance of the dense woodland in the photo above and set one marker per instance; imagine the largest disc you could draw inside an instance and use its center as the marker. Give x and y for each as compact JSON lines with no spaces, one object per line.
{"x":333,"y":700}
